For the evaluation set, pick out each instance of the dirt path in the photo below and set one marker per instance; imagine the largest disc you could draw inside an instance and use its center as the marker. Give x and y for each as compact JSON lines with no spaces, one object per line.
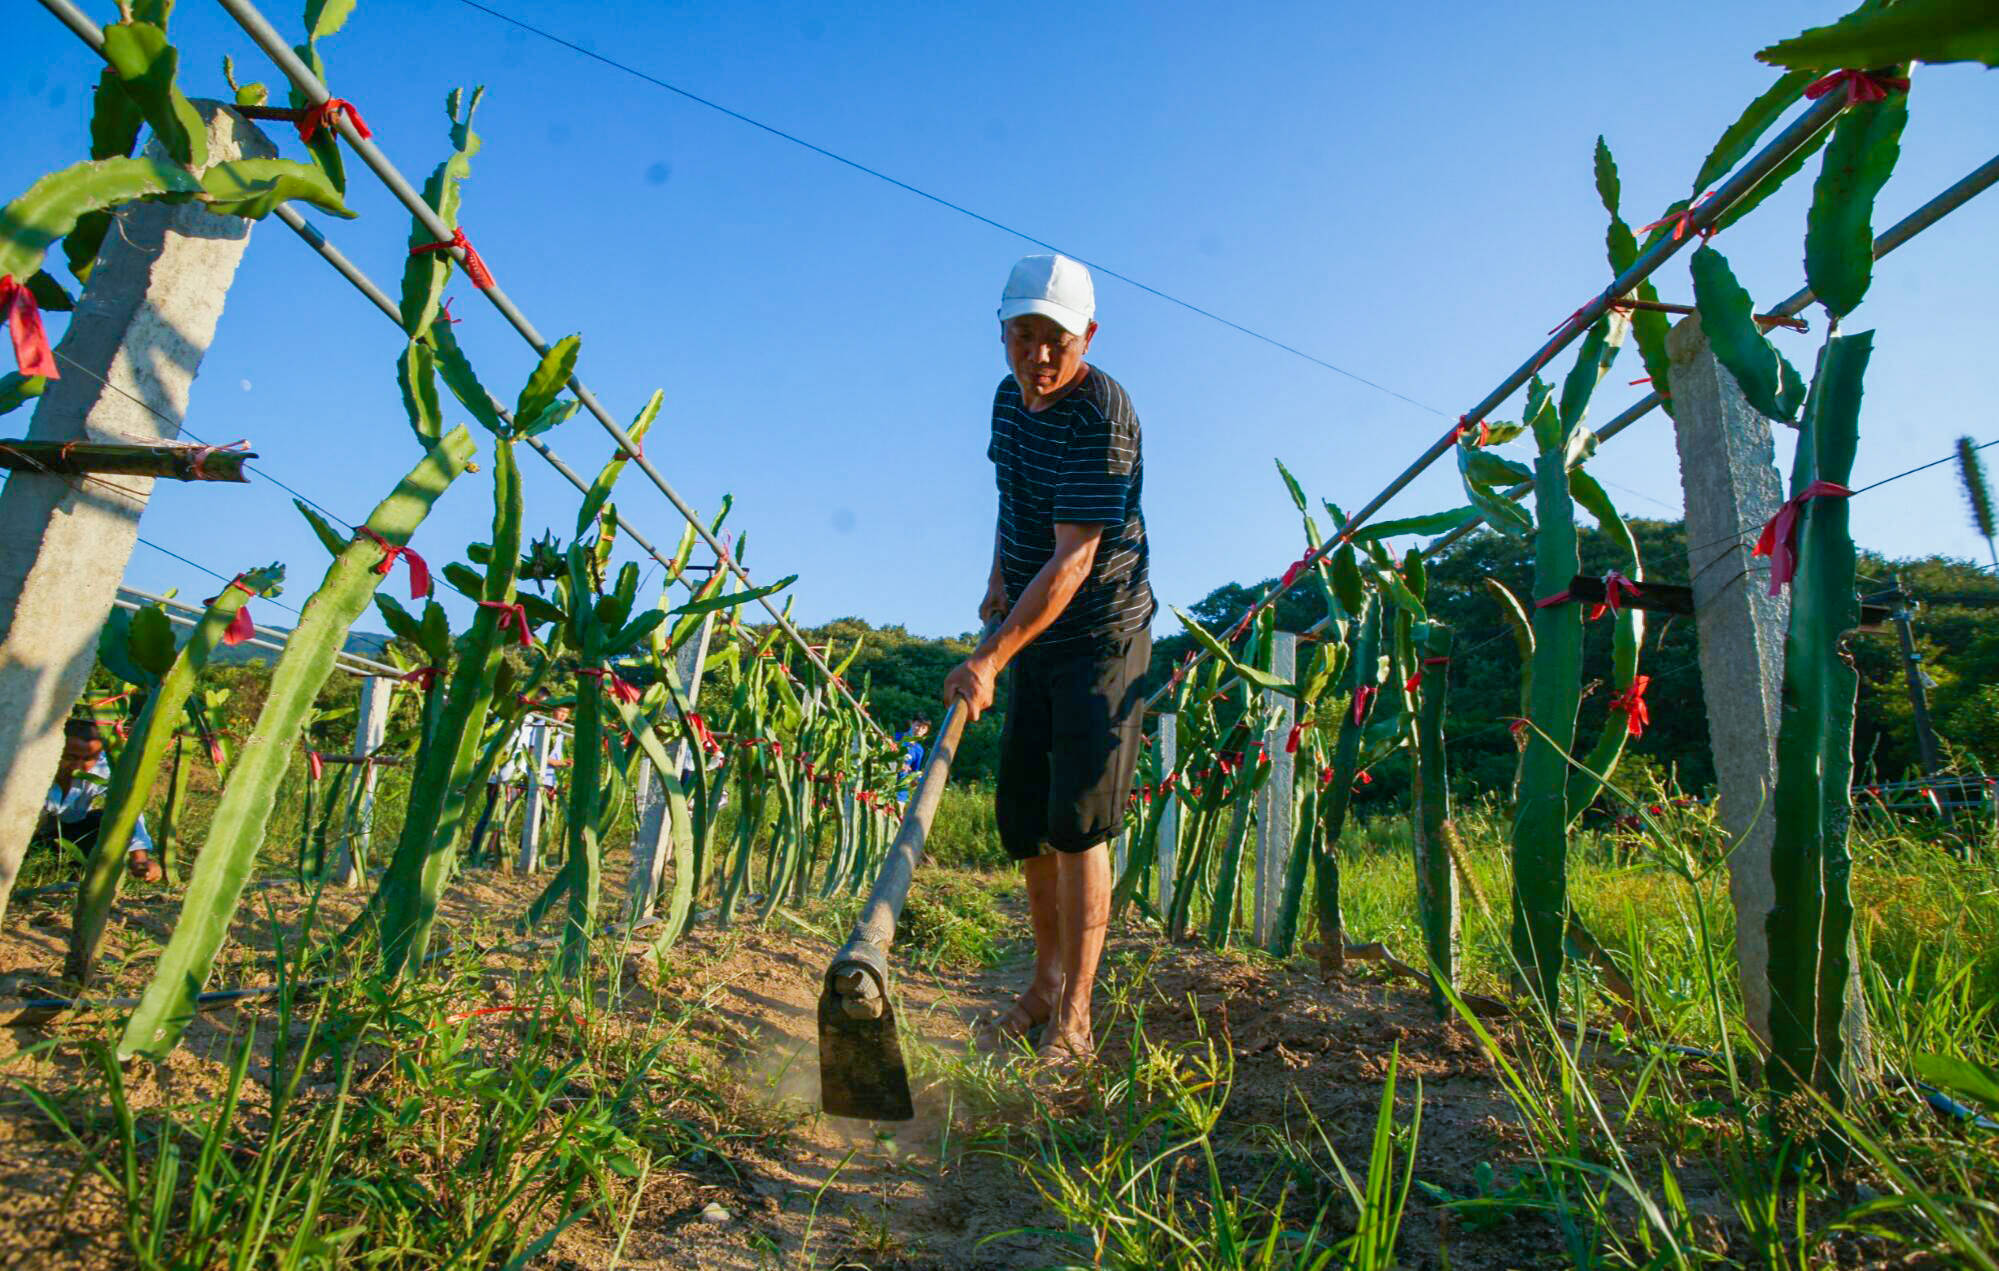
{"x":961,"y":1185}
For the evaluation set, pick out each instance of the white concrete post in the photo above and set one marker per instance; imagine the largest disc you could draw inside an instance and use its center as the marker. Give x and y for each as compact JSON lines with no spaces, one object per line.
{"x":128,"y":360}
{"x":1274,"y":802}
{"x":1728,"y":470}
{"x":1169,"y":817}
{"x":371,"y":727}
{"x":530,"y":857}
{"x":650,"y":842}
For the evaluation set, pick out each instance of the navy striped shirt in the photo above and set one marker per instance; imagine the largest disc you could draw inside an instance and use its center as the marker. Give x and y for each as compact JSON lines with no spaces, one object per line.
{"x":1076,"y":462}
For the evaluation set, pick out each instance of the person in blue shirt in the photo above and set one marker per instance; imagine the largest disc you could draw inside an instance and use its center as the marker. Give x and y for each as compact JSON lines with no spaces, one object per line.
{"x":74,"y":809}
{"x":911,"y":741}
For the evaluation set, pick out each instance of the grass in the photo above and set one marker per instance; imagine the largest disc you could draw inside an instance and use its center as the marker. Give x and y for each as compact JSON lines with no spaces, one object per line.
{"x":388,"y":1119}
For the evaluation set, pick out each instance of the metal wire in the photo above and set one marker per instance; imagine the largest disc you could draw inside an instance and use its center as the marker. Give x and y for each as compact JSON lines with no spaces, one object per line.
{"x":959,"y":208}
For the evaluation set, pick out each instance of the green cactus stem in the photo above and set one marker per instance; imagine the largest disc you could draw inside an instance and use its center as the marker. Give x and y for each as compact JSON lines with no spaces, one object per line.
{"x":138,"y":767}
{"x":236,"y":831}
{"x":1812,"y":917}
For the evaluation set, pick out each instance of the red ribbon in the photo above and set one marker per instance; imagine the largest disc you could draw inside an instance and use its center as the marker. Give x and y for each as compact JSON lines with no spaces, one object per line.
{"x":241,"y":626}
{"x":419,"y":571}
{"x":1298,"y":567}
{"x":620,"y":689}
{"x":115,"y":697}
{"x":475,"y":268}
{"x":1549,"y":602}
{"x":515,"y":616}
{"x":316,"y":117}
{"x":446,"y":317}
{"x":1414,"y":682}
{"x":215,"y":752}
{"x":1484,"y":433}
{"x":1361,"y":697}
{"x":1632,"y":702}
{"x":1297,"y":731}
{"x":1517,"y":727}
{"x":24,"y":321}
{"x":700,"y":727}
{"x":315,"y":763}
{"x":1367,"y":778}
{"x":1613,"y":583}
{"x":1325,"y":776}
{"x":424,"y":677}
{"x":1779,"y":540}
{"x":1681,"y":220}
{"x":1859,"y":85}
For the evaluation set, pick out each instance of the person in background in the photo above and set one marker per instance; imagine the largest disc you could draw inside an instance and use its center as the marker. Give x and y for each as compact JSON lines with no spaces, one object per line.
{"x":74,"y":810}
{"x":1070,"y":580}
{"x":911,"y":741}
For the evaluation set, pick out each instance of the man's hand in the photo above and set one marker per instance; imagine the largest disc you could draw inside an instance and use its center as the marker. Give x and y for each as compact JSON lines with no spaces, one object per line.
{"x":973,"y":681}
{"x":143,"y":867}
{"x":993,"y":607}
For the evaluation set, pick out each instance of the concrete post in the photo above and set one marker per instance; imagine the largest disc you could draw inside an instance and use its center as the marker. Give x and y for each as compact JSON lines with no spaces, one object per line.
{"x":1275,"y":805}
{"x":128,"y":359}
{"x":650,"y":842}
{"x":531,"y":809}
{"x":1169,"y":816}
{"x":1728,"y":470}
{"x":371,"y":727}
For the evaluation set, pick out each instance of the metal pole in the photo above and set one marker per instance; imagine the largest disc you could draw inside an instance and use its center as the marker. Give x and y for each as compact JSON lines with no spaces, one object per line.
{"x":347,"y":269}
{"x":1912,"y":673}
{"x":266,"y":37}
{"x":1956,"y":196}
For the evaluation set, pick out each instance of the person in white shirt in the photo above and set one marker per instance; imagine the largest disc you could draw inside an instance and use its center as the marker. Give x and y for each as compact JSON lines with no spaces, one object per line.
{"x":510,"y":779}
{"x":74,"y":810}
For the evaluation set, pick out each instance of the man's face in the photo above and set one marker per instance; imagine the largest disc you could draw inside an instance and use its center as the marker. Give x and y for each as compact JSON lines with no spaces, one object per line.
{"x":78,"y":753}
{"x":560,"y":714}
{"x":1044,"y":357}
{"x":919,"y":730}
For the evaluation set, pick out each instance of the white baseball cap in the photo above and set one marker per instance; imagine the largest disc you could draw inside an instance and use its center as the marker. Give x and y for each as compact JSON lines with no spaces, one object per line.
{"x":1054,"y":286}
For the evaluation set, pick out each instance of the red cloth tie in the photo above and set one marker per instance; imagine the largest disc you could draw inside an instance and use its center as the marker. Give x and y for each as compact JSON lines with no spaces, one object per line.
{"x":475,"y":268}
{"x":621,"y":690}
{"x":316,"y":117}
{"x":315,"y":763}
{"x":1779,"y":540}
{"x":1367,"y":778}
{"x":1298,"y":567}
{"x":1297,"y":732}
{"x":1613,"y":584}
{"x":424,"y":677}
{"x":1681,"y":220}
{"x":241,"y":626}
{"x":1632,"y":702}
{"x":1466,"y":425}
{"x":202,"y":454}
{"x":1414,"y":682}
{"x":24,"y":322}
{"x":515,"y":616}
{"x":419,"y":571}
{"x":1361,"y":697}
{"x":1859,"y":86}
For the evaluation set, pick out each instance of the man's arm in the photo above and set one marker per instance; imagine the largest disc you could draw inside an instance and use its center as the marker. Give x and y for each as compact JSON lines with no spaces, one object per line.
{"x":1040,"y":605}
{"x":993,"y":607}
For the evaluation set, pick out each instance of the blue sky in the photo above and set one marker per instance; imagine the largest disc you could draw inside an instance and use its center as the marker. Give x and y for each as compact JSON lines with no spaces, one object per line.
{"x":1404,"y":191}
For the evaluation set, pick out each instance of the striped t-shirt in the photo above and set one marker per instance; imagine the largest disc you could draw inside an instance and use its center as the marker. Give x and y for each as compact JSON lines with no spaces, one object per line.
{"x":1075,"y":462}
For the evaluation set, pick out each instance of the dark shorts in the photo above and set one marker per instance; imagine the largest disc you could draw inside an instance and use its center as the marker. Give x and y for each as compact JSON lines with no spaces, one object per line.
{"x":1073,"y":720}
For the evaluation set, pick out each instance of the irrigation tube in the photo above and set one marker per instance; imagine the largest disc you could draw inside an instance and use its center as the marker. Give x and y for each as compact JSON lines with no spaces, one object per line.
{"x":267,"y":38}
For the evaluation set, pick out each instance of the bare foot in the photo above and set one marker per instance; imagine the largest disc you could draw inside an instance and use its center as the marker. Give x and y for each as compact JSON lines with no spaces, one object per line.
{"x":1028,"y":1011}
{"x":1064,"y":1054}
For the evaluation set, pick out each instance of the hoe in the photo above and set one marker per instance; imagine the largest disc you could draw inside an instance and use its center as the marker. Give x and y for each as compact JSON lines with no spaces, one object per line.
{"x":861,"y":1073}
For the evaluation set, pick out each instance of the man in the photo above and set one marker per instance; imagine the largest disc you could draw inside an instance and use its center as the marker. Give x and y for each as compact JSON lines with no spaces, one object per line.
{"x":74,"y":809}
{"x":1070,"y":578}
